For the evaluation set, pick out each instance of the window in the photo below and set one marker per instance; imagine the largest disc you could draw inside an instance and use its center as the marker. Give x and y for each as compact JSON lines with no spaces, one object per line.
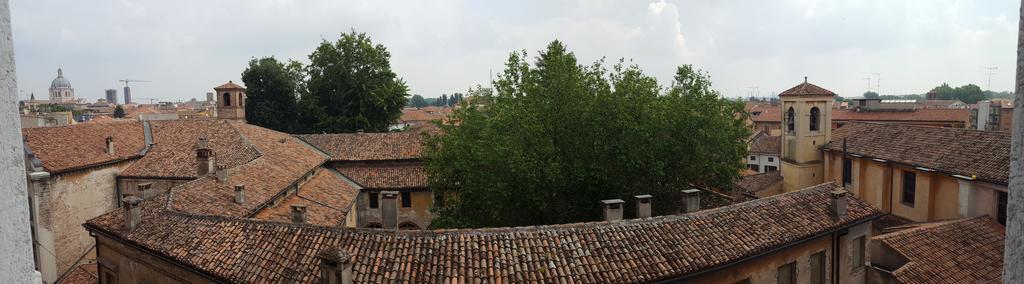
{"x":790,"y":117}
{"x":408,"y":226}
{"x":373,"y":200}
{"x":227,"y":99}
{"x":815,"y":115}
{"x":770,"y":168}
{"x":753,"y":158}
{"x":787,"y":273}
{"x":818,"y":268}
{"x":771,"y":159}
{"x":107,"y":275}
{"x":1001,"y":214}
{"x":406,"y":199}
{"x":755,"y":168}
{"x":858,"y":252}
{"x":847,"y":171}
{"x":909,"y":187}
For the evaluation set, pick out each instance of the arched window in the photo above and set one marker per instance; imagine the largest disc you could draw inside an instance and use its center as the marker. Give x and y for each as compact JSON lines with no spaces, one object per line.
{"x":790,"y":119}
{"x":374,"y":226}
{"x":408,"y":226}
{"x":227,"y":99}
{"x":815,"y":118}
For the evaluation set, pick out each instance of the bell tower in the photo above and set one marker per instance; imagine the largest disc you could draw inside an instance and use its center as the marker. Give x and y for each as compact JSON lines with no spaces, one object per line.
{"x":806,"y":125}
{"x":230,"y":101}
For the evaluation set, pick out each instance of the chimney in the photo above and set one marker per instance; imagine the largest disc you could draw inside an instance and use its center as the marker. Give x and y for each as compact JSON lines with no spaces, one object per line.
{"x":132,"y":211}
{"x":643,"y":205}
{"x":691,"y":200}
{"x":222,"y":173}
{"x":839,"y":201}
{"x":612,"y":209}
{"x":239,"y":193}
{"x":335,"y":266}
{"x":389,"y":209}
{"x":204,"y":159}
{"x":143,"y":187}
{"x":298,"y":214}
{"x":110,"y":145}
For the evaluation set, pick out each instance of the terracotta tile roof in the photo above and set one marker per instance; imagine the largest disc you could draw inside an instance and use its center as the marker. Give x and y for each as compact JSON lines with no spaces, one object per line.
{"x":766,"y":144}
{"x":327,"y":198}
{"x":960,"y":251}
{"x":806,"y":89}
{"x":82,"y":274}
{"x":229,"y":86}
{"x":54,"y":146}
{"x":765,"y":113}
{"x":176,"y":141}
{"x":933,"y":115}
{"x":386,"y":176}
{"x":368,"y":146}
{"x":758,"y":182}
{"x":424,"y":114}
{"x":938,"y":103}
{"x":632,"y":251}
{"x":283,"y":162}
{"x":985,"y":154}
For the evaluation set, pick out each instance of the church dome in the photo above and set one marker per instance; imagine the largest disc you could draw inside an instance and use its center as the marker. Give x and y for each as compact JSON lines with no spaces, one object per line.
{"x":60,"y":81}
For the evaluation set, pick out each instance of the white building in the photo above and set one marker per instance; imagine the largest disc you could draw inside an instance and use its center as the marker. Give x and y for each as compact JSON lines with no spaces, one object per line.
{"x":764,"y":153}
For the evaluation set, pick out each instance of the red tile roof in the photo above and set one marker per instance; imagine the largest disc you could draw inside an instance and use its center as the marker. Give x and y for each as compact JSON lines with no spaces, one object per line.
{"x":921,"y":115}
{"x":766,"y":144}
{"x":386,"y":176}
{"x":985,"y":154}
{"x":66,"y":148}
{"x":758,"y":182}
{"x":228,"y":86}
{"x":806,"y":89}
{"x":327,"y":198}
{"x":638,"y":250}
{"x":82,"y":274}
{"x":176,"y":141}
{"x":368,"y":146}
{"x":959,"y":251}
{"x":765,"y":113}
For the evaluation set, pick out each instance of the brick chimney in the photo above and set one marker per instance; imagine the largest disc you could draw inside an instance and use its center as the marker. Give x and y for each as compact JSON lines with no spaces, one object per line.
{"x":335,"y":266}
{"x":612,"y":209}
{"x":110,"y":145}
{"x":839,"y":201}
{"x":239,"y":193}
{"x":132,"y":211}
{"x":389,"y":209}
{"x":222,"y":173}
{"x":298,"y":214}
{"x":691,"y":200}
{"x":143,"y":188}
{"x":205,"y":159}
{"x":643,"y":205}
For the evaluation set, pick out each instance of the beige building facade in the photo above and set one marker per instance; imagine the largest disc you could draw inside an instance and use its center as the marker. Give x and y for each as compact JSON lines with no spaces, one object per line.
{"x":807,"y":111}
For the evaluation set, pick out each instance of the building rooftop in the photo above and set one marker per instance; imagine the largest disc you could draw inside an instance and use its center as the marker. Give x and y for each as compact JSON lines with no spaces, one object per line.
{"x":327,"y":198}
{"x":754,"y":183}
{"x":386,"y":176}
{"x":919,"y":115}
{"x":81,"y":274}
{"x":806,"y":89}
{"x":352,"y":147}
{"x":959,"y":251}
{"x":637,"y":250}
{"x":766,"y":144}
{"x":175,"y":142}
{"x":52,"y":145}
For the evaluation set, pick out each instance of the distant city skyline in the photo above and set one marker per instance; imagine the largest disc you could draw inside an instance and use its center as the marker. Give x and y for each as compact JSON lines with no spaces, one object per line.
{"x":186,"y":48}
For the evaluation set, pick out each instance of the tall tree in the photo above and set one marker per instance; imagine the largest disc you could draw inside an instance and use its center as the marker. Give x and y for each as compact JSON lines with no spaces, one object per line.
{"x":271,"y":93}
{"x":417,"y":101}
{"x":969,"y":93}
{"x":118,"y":112}
{"x":351,"y":87}
{"x":570,"y":135}
{"x":1013,"y":255}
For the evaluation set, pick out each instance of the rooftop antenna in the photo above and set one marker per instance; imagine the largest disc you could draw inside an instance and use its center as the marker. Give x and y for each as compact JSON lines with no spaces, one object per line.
{"x":989,"y":70}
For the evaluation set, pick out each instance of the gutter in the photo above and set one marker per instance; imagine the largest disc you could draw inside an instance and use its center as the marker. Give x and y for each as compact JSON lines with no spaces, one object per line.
{"x":770,"y":251}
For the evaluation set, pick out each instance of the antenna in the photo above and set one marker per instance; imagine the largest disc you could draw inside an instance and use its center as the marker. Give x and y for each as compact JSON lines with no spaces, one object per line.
{"x":868,"y":79}
{"x":989,"y":70}
{"x":878,"y":83}
{"x":753,"y":91}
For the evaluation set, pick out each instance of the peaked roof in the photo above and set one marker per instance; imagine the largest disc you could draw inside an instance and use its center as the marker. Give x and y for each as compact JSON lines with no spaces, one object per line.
{"x":87,"y":141}
{"x":766,"y":144}
{"x":229,"y":86}
{"x":967,"y":250}
{"x":175,"y":142}
{"x":353,"y":147}
{"x":806,"y":89}
{"x":632,"y":251}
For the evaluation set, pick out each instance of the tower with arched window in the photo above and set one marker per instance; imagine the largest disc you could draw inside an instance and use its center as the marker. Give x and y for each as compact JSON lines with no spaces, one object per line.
{"x":806,"y":125}
{"x":230,"y":101}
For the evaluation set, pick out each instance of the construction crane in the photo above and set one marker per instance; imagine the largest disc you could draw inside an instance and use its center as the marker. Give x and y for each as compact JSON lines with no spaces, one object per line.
{"x":128,"y":90}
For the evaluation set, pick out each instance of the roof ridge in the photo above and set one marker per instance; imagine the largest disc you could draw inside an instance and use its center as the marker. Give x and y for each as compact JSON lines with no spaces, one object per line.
{"x":927,"y":226}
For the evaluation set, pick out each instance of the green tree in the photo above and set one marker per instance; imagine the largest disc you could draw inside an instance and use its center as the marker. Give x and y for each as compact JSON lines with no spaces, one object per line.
{"x":418,"y":101}
{"x":870,"y":95}
{"x":969,"y":93}
{"x":118,"y":112}
{"x":557,"y":137}
{"x":351,"y":87}
{"x":272,"y":93}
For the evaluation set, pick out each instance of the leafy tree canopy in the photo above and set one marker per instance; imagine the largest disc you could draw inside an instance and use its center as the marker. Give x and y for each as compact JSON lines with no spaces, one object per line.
{"x":118,"y":112}
{"x":870,"y":95}
{"x":417,"y":101}
{"x":272,"y":93}
{"x":969,"y":93}
{"x":556,"y":137}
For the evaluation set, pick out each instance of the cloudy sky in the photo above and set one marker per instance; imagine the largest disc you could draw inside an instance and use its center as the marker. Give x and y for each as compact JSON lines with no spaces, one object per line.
{"x":187,"y":47}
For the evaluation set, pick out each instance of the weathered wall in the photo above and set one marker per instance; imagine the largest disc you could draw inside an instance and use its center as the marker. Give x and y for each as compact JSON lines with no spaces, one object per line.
{"x":130,"y":265}
{"x":16,"y":262}
{"x":419,"y":213}
{"x":946,"y":198}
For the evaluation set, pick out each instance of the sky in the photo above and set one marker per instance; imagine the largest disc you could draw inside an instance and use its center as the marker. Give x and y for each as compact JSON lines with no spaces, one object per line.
{"x":185,"y":48}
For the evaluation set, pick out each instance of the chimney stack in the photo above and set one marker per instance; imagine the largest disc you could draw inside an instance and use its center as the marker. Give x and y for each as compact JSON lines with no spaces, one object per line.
{"x":239,"y":193}
{"x":839,"y":201}
{"x":389,"y":209}
{"x":691,"y":200}
{"x":110,"y":145}
{"x":222,"y":173}
{"x":298,"y":214}
{"x":643,"y":205}
{"x":143,"y":188}
{"x":335,"y":266}
{"x":204,"y":159}
{"x":612,"y":209}
{"x":132,"y":211}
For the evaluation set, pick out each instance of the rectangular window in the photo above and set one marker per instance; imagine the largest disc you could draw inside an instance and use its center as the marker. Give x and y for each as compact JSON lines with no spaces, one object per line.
{"x":1001,"y":207}
{"x":107,"y":275}
{"x":755,"y":168}
{"x":753,"y":158}
{"x":818,"y":268}
{"x":847,"y":171}
{"x":374,"y":202}
{"x":770,"y":168}
{"x":406,"y":199}
{"x":858,"y":252}
{"x":787,"y":273}
{"x":771,"y":159}
{"x":909,"y":188}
